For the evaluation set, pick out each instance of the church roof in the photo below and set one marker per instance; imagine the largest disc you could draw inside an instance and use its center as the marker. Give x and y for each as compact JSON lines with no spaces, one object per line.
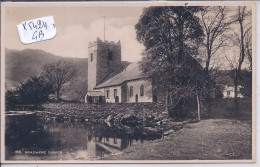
{"x":95,"y":93}
{"x":131,"y":72}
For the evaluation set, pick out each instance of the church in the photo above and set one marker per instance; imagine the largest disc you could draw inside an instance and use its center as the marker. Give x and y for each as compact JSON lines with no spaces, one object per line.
{"x":112,"y":81}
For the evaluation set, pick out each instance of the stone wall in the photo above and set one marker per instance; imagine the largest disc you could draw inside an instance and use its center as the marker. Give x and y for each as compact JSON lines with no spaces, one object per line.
{"x":101,"y":66}
{"x":92,"y":67}
{"x":99,"y":112}
{"x":106,"y":66}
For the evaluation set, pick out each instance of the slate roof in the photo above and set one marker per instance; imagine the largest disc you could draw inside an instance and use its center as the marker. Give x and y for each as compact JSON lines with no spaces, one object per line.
{"x":95,"y":93}
{"x":131,"y":72}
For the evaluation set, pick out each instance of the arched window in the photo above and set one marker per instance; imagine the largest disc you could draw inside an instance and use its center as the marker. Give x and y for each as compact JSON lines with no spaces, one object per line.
{"x":131,"y":91}
{"x":141,"y":90}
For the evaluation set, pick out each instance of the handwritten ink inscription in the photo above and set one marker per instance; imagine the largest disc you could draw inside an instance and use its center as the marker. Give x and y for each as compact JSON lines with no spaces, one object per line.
{"x":37,"y":30}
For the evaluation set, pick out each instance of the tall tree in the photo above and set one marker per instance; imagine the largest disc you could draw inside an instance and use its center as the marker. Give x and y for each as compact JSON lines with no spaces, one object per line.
{"x":215,"y":22}
{"x":248,"y":46}
{"x":58,"y":73}
{"x":241,"y":17}
{"x":171,"y":36}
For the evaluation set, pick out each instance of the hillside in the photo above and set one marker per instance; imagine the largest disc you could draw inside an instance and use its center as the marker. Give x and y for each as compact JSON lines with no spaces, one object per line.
{"x":21,"y":65}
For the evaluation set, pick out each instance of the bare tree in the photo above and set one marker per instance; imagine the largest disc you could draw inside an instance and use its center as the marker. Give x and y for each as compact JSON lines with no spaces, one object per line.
{"x":215,"y":23}
{"x":248,"y":45}
{"x":242,"y":39}
{"x":58,"y":73}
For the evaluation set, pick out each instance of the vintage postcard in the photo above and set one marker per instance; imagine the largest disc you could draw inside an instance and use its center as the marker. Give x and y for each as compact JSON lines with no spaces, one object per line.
{"x":128,"y":82}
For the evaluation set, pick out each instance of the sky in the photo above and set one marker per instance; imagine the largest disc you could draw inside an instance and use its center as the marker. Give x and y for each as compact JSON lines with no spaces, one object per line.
{"x":76,"y":27}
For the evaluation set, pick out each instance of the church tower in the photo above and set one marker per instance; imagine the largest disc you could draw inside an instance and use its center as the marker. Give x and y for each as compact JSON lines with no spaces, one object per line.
{"x":103,"y":59}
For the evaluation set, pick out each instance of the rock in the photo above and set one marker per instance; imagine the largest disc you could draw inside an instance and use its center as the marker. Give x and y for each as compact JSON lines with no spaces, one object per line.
{"x":82,"y":119}
{"x":194,"y":121}
{"x":159,"y":123}
{"x":110,"y":119}
{"x":60,"y":118}
{"x":129,"y":120}
{"x":167,"y":133}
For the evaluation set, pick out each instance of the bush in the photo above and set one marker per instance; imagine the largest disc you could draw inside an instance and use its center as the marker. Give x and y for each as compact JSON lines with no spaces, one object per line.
{"x":35,"y":90}
{"x":11,"y":99}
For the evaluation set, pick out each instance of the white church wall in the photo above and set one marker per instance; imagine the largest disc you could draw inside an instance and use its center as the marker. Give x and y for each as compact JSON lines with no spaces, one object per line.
{"x":136,"y":84}
{"x":111,"y":97}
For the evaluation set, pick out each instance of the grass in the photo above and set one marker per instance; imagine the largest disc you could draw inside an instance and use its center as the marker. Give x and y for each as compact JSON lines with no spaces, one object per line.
{"x":213,"y":139}
{"x":224,"y":108}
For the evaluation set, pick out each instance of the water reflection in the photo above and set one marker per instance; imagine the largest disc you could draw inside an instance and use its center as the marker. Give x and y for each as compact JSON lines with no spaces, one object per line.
{"x":27,"y":138}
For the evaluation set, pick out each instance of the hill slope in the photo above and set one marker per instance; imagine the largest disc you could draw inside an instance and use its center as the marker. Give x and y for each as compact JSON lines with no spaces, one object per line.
{"x":21,"y":65}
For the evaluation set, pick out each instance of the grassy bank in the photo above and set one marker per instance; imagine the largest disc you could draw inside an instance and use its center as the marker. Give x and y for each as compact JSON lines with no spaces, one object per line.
{"x":213,"y":139}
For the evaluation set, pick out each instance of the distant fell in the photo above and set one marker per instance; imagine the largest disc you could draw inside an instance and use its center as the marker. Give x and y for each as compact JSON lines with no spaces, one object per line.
{"x":21,"y":65}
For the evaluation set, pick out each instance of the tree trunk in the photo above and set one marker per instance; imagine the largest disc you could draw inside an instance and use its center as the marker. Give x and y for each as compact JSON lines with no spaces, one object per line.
{"x":240,"y":61}
{"x":208,"y":87}
{"x":171,"y":100}
{"x":58,"y":94}
{"x":198,"y":102}
{"x":236,"y":93}
{"x":166,"y":103}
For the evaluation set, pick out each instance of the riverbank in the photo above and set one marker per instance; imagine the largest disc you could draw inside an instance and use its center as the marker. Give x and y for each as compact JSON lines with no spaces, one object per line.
{"x":212,"y":139}
{"x":149,"y":117}
{"x":145,"y":118}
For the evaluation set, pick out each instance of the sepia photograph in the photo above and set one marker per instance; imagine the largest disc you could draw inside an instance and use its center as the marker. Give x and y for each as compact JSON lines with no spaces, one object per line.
{"x":131,"y":82}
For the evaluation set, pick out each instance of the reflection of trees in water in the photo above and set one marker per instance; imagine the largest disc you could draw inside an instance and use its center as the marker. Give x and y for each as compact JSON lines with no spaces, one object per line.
{"x":28,"y":133}
{"x":122,"y":132}
{"x":24,"y":133}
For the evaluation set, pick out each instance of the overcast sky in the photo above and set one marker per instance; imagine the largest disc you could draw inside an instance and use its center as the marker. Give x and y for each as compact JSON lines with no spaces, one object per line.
{"x":76,"y":26}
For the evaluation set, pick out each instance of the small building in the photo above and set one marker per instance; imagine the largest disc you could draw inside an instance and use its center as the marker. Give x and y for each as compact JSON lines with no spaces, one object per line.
{"x":95,"y":97}
{"x":115,"y":81}
{"x":229,"y":92}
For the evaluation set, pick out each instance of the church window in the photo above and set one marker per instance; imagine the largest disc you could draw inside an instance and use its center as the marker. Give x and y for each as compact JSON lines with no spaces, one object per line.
{"x":115,"y":140}
{"x":142,"y":90}
{"x":131,"y":91}
{"x":228,"y":93}
{"x":91,"y":57}
{"x":115,"y":93}
{"x":107,"y":94}
{"x":110,"y":55}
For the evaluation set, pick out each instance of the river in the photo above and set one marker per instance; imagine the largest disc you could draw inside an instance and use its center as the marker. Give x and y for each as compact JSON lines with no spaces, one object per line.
{"x":28,"y":137}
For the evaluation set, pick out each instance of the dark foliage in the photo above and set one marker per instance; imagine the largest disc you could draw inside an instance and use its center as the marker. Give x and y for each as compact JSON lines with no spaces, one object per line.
{"x":34,"y":91}
{"x":11,"y":98}
{"x":245,"y":81}
{"x":171,"y":36}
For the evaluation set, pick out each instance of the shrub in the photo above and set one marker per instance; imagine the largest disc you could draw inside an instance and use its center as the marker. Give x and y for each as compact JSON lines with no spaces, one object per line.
{"x":35,"y":90}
